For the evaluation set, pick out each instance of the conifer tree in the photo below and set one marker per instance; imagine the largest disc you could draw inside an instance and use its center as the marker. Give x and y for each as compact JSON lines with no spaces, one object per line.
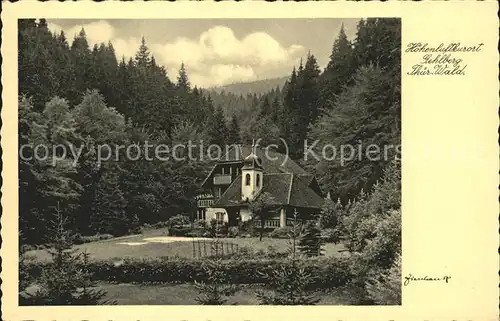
{"x":289,"y":283}
{"x":182,"y":79}
{"x":339,"y":71}
{"x":109,"y":215}
{"x":63,"y":281}
{"x":215,"y":290}
{"x":233,"y":131}
{"x":142,"y":57}
{"x":216,"y":128}
{"x":82,"y":61}
{"x":311,"y":241}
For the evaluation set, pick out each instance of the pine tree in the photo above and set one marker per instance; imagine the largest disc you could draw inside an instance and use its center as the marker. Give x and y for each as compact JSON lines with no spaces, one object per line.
{"x":311,"y":241}
{"x":109,"y":215}
{"x":366,"y":113}
{"x":266,"y":109}
{"x":81,"y":58}
{"x":289,"y":283}
{"x":339,"y":70}
{"x":276,"y":109}
{"x":233,"y":131}
{"x":142,"y":57}
{"x":183,"y":80}
{"x":63,"y":281}
{"x":215,"y":290}
{"x":216,"y":128}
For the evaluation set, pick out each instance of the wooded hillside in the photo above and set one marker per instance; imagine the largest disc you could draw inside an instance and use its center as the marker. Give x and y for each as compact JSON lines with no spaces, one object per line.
{"x":74,"y":95}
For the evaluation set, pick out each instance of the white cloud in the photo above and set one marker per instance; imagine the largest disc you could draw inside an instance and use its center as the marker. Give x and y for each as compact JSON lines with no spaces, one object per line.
{"x":126,"y":47}
{"x":216,"y":57}
{"x":97,"y":32}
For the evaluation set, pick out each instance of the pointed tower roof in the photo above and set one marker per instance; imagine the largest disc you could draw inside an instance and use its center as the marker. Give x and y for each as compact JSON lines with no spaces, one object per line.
{"x":252,"y":161}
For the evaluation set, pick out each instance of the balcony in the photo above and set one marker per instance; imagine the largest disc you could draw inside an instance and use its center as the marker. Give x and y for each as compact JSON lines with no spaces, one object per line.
{"x":205,"y":203}
{"x":222,"y":179}
{"x":268,"y":223}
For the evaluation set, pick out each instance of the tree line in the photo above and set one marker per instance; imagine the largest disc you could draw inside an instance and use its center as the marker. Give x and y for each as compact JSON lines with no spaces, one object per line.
{"x":75,"y":95}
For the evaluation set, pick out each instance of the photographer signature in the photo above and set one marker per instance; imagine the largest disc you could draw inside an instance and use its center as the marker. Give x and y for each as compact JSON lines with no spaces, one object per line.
{"x":411,"y":278}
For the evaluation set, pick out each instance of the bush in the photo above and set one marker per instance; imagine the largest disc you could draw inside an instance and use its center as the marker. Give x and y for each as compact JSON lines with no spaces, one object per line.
{"x":200,"y":224}
{"x":178,"y":220}
{"x":281,"y":233}
{"x":215,"y":290}
{"x":329,"y":272}
{"x":188,"y":231}
{"x":67,"y":279}
{"x":311,"y":243}
{"x":179,"y":231}
{"x":218,"y":229}
{"x":385,"y":288}
{"x":79,"y":239}
{"x":331,"y":213}
{"x":233,"y":231}
{"x":331,"y":235}
{"x":197,"y":232}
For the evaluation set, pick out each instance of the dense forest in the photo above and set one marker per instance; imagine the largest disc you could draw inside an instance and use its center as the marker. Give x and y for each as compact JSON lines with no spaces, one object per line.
{"x":76,"y":96}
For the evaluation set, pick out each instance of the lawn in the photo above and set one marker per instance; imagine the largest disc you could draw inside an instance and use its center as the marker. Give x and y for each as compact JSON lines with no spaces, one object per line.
{"x":185,"y":294}
{"x":155,"y":243}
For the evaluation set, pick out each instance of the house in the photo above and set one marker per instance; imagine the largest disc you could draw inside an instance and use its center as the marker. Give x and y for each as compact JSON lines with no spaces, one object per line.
{"x":244,"y":174}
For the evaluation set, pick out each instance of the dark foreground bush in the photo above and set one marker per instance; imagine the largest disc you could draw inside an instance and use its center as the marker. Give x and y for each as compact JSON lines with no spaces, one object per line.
{"x":79,"y":239}
{"x":329,"y":272}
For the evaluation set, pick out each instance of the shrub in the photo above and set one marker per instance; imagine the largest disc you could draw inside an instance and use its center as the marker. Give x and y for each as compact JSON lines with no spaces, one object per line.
{"x":179,"y":231}
{"x":331,"y":235}
{"x":290,"y":282}
{"x":331,"y":213}
{"x":214,"y":290}
{"x":200,"y":224}
{"x":290,"y":287}
{"x":311,"y":242}
{"x":197,"y":232}
{"x":233,"y":231}
{"x":218,"y":229}
{"x":385,"y":288}
{"x":79,"y":239}
{"x":281,"y":233}
{"x":67,"y":279}
{"x":330,"y":272}
{"x":178,"y":220}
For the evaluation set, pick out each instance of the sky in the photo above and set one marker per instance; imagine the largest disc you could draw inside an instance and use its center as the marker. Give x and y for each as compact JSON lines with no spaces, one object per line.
{"x":217,"y":51}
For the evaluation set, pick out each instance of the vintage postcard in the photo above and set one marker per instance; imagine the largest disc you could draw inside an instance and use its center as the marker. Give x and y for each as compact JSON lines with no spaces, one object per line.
{"x":285,"y":160}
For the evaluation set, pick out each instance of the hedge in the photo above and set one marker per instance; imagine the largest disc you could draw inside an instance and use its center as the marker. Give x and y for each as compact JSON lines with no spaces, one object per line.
{"x":329,"y":272}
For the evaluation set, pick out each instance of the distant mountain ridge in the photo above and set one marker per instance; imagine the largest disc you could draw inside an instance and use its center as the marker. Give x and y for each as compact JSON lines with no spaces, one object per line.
{"x":253,"y":87}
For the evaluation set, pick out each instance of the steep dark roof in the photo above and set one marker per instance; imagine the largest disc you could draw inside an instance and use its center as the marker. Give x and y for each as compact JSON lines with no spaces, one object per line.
{"x":232,"y":195}
{"x":286,"y":189}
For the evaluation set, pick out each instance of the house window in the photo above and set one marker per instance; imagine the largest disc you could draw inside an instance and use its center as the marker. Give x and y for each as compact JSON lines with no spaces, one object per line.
{"x":258,"y":180}
{"x":219,"y":216}
{"x":247,"y":180}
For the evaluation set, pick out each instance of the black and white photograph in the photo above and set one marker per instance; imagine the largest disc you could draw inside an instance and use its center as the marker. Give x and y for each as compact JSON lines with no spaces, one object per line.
{"x":209,"y":161}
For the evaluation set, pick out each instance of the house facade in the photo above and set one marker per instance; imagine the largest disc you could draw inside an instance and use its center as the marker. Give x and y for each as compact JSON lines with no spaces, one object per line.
{"x":244,"y":174}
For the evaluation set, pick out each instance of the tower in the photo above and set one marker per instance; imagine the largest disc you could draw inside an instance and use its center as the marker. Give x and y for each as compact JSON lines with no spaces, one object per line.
{"x":251,"y":177}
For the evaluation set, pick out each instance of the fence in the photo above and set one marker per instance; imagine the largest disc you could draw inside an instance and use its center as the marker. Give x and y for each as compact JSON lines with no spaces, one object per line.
{"x":206,"y":248}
